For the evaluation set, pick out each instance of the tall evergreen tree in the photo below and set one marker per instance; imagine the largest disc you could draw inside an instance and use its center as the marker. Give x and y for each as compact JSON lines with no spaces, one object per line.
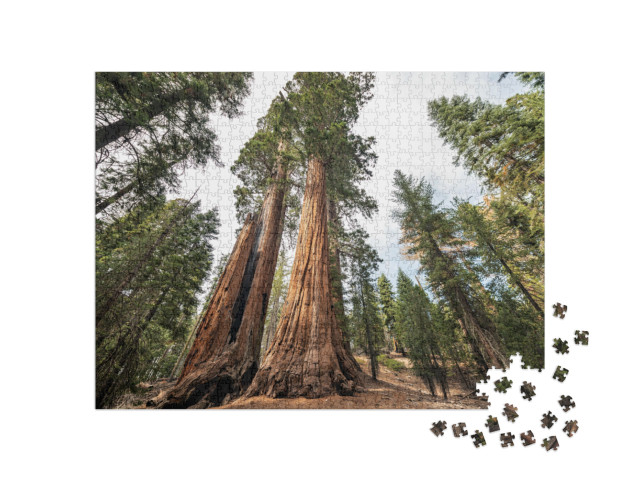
{"x":155,"y":261}
{"x":430,"y":233}
{"x":149,"y":125}
{"x":366,"y":316}
{"x":308,"y":356}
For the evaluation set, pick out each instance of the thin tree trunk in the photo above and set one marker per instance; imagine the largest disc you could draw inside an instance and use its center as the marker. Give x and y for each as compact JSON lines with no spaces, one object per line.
{"x":370,"y":344}
{"x":112,"y":132}
{"x":103,"y":204}
{"x":481,"y":332}
{"x":225,"y":355}
{"x":307,"y":357}
{"x":515,"y":279}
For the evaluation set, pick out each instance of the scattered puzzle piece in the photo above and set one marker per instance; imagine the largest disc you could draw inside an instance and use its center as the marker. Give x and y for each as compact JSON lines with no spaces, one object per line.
{"x":551,"y":443}
{"x":566,"y":402}
{"x":507,"y":439}
{"x":510,"y":412}
{"x":559,"y":310}
{"x":503,"y":384}
{"x":492,"y":424}
{"x":560,"y":374}
{"x":561,"y":347}
{"x":478,"y":439}
{"x":582,"y":337}
{"x":459,"y":430}
{"x":548,"y":420}
{"x":571,"y":427}
{"x":527,"y":390}
{"x":527,"y":439}
{"x":438,"y":428}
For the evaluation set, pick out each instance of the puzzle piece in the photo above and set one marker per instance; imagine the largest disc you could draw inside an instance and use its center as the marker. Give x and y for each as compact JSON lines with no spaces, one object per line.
{"x":560,"y":374}
{"x":561,"y":347}
{"x":559,"y":310}
{"x":548,"y":420}
{"x":492,"y":424}
{"x":551,"y":443}
{"x":438,"y":428}
{"x":527,"y":439}
{"x":506,"y":439}
{"x":510,"y":412}
{"x":503,"y":384}
{"x":566,"y":402}
{"x":478,"y":439}
{"x":527,"y":390}
{"x":582,"y":337}
{"x":459,"y":430}
{"x":571,"y":427}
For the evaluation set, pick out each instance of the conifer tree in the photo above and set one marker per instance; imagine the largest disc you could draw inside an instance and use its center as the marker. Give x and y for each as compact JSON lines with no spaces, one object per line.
{"x":148,"y":125}
{"x":430,"y":233}
{"x":308,"y":356}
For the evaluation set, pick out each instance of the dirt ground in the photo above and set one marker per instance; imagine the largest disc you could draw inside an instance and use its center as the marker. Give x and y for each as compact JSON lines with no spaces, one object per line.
{"x":393,"y":390}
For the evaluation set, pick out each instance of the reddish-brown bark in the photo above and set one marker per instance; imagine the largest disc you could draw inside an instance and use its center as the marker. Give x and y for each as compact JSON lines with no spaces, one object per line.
{"x":225,"y":355}
{"x":307,"y":356}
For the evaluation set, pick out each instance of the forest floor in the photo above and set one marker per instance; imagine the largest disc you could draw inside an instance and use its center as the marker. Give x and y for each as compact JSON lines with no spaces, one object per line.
{"x":394,"y":389}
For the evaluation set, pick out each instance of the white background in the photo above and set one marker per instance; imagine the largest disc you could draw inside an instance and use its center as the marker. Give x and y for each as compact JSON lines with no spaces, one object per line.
{"x":50,"y":53}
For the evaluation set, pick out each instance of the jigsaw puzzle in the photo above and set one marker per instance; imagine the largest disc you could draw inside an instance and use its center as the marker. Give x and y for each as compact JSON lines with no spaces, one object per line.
{"x":559,"y":310}
{"x":548,"y":420}
{"x":214,"y":192}
{"x":510,"y":411}
{"x":566,"y":402}
{"x":560,"y":374}
{"x":582,"y":337}
{"x":492,"y":424}
{"x":478,"y":439}
{"x":506,"y":439}
{"x":438,"y":428}
{"x":527,"y":390}
{"x":561,"y":347}
{"x":550,"y":443}
{"x":571,"y":427}
{"x":459,"y":430}
{"x":502,"y":385}
{"x":527,"y":438}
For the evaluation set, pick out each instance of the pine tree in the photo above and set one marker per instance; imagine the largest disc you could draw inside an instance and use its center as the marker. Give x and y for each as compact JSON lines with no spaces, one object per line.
{"x":421,"y":334}
{"x":430,"y":233}
{"x":148,"y":125}
{"x":155,"y":260}
{"x":365,"y":316}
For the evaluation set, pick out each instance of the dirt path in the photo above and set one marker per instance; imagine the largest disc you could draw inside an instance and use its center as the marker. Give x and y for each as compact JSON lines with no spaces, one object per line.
{"x":399,"y":389}
{"x":393,"y":390}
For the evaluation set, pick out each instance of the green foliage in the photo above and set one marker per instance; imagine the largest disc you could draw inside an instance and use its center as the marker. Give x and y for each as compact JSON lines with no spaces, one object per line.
{"x":366,"y":324}
{"x":150,"y":125}
{"x":422,"y":333}
{"x":389,"y":363}
{"x":150,"y":265}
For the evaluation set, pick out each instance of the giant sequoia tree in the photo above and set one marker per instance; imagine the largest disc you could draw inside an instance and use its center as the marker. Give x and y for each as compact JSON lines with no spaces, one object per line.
{"x":308,"y":356}
{"x":226,"y":350}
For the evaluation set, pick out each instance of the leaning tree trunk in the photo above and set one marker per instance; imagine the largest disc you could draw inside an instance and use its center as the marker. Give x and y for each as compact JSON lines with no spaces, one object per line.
{"x":307,"y":356}
{"x":225,"y":354}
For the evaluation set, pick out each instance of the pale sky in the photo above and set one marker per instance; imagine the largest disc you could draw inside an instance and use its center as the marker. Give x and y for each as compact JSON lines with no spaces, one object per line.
{"x":396,"y":117}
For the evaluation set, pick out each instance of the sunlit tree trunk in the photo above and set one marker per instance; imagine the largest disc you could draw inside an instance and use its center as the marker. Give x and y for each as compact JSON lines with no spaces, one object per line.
{"x":307,"y":356}
{"x":225,"y":354}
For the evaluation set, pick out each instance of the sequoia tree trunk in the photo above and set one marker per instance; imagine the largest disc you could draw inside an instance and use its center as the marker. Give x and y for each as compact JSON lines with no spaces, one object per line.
{"x":307,"y":356}
{"x":225,"y":354}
